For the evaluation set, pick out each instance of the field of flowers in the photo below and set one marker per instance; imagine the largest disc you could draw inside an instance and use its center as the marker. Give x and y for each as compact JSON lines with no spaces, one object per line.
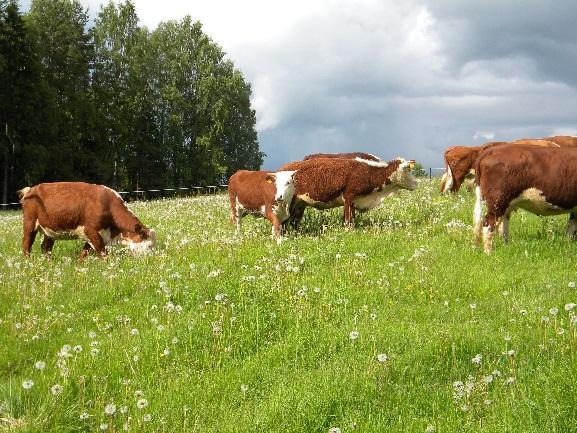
{"x":399,"y":325}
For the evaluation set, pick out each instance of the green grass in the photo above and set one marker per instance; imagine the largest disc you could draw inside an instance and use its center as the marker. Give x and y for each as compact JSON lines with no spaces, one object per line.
{"x":237,"y":334}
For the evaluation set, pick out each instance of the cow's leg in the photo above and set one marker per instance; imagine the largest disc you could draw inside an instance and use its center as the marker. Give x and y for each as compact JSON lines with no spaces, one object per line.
{"x":47,"y":244}
{"x":297,"y":210}
{"x":85,"y":250}
{"x":95,"y":241}
{"x":348,"y":213}
{"x":488,"y":231}
{"x":504,"y":227}
{"x":477,"y":216}
{"x":572,"y":225}
{"x":495,"y":213}
{"x":29,"y":234}
{"x":276,"y":225}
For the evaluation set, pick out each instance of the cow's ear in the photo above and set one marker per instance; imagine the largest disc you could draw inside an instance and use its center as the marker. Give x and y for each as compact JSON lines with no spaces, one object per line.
{"x":410,"y":164}
{"x":270,"y":178}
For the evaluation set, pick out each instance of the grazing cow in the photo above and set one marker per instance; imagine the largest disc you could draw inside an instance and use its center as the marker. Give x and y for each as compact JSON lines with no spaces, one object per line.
{"x":325,"y":183}
{"x":460,"y":160}
{"x":351,"y":155}
{"x":540,"y":180}
{"x":262,"y":194}
{"x":72,"y":210}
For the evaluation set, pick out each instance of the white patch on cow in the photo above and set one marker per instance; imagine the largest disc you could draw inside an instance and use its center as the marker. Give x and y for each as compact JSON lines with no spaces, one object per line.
{"x":140,"y":247}
{"x":284,"y":184}
{"x":76,"y":233}
{"x":339,"y":201}
{"x":375,"y":198}
{"x":533,"y":200}
{"x":281,"y":210}
{"x":478,"y":210}
{"x":402,"y":176}
{"x":449,"y":180}
{"x":477,"y":215}
{"x":372,"y":163}
{"x":107,"y":237}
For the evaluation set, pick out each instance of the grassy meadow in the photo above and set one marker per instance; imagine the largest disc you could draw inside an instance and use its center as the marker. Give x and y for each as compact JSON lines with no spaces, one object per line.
{"x":399,"y":325}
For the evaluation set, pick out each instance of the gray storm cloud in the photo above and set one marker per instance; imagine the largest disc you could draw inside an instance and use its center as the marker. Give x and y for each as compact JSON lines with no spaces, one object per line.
{"x":412,"y":79}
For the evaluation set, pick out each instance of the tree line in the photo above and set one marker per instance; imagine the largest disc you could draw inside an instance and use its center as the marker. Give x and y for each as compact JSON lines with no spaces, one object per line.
{"x":113,"y":102}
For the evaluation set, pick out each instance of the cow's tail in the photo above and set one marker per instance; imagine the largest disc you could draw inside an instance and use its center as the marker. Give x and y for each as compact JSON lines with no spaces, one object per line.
{"x":23,"y":193}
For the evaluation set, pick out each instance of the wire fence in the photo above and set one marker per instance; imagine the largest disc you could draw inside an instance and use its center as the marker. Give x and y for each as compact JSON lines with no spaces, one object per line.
{"x":158,"y":194}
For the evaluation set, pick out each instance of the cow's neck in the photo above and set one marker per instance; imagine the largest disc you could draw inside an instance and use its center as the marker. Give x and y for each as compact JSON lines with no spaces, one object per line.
{"x":124,"y":219}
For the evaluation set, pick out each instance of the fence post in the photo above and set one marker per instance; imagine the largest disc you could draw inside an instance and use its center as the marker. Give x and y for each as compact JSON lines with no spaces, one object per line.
{"x":430,"y":173}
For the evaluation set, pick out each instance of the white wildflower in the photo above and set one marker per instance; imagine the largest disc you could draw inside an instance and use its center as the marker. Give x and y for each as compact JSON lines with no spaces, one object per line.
{"x":382,"y":357}
{"x":110,"y":409}
{"x":56,"y":389}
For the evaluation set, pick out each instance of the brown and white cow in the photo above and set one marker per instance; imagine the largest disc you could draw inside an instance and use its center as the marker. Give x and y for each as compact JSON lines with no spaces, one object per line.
{"x":261,"y":193}
{"x":78,"y":210}
{"x":540,"y":180}
{"x":460,"y":160}
{"x":350,"y":155}
{"x":325,"y":183}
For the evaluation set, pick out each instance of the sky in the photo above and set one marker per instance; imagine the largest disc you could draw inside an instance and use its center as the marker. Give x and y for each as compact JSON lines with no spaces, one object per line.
{"x":394,"y":78}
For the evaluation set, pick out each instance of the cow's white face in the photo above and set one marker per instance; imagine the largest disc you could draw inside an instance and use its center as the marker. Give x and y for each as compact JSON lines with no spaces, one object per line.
{"x":285,"y":187}
{"x":402,"y":176}
{"x":143,"y":246}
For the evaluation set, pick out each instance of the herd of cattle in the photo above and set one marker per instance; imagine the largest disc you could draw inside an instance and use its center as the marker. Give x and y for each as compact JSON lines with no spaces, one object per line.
{"x":538,"y":175}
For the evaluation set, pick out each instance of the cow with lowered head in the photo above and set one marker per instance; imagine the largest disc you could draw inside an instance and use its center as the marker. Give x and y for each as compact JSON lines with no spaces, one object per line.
{"x":261,"y":193}
{"x":325,"y":183}
{"x":78,"y":210}
{"x":540,"y":180}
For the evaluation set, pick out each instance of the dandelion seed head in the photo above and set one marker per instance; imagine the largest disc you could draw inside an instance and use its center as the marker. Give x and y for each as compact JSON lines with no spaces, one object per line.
{"x":40,"y":365}
{"x":27,"y":384}
{"x":110,"y":409}
{"x":354,"y":335}
{"x":382,"y":357}
{"x":56,"y":389}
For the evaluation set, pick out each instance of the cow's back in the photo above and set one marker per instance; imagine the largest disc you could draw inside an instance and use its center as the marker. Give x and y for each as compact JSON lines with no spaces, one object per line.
{"x":349,"y":155}
{"x":563,"y":140}
{"x":251,"y":188}
{"x":64,"y":205}
{"x":510,"y":170}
